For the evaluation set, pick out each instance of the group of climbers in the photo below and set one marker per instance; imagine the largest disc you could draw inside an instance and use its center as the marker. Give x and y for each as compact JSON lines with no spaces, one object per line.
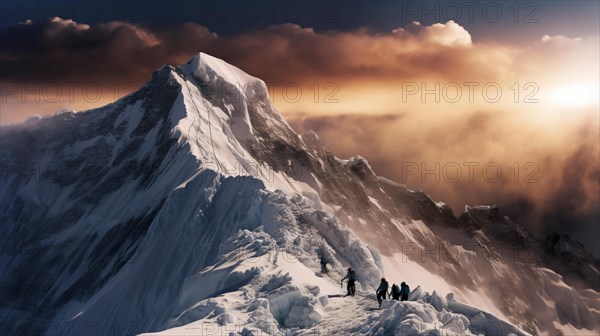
{"x":400,"y":293}
{"x":397,"y":293}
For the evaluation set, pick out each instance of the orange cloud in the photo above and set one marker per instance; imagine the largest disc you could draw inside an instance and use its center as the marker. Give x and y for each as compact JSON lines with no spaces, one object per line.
{"x":59,"y":48}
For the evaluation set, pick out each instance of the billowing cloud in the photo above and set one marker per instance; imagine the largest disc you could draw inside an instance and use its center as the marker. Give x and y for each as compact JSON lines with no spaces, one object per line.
{"x":479,"y":157}
{"x":58,"y":48}
{"x":559,"y":39}
{"x":448,"y":34}
{"x":62,"y":48}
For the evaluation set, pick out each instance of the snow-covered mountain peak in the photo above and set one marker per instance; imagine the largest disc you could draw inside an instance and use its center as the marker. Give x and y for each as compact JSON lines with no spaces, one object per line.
{"x":193,"y":203}
{"x":208,"y":68}
{"x":218,"y":92}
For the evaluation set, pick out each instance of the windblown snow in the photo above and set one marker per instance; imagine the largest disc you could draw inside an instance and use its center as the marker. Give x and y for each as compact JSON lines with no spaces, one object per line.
{"x":190,"y":207}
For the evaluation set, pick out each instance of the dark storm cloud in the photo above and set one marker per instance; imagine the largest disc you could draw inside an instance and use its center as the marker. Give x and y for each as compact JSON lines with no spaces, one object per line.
{"x":59,"y":49}
{"x":567,"y":209}
{"x":570,"y":193}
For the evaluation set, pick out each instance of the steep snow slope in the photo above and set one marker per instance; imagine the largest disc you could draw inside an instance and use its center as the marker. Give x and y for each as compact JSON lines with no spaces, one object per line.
{"x":192,"y":204}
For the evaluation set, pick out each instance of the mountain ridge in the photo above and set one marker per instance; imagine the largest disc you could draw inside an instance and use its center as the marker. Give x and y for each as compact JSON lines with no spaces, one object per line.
{"x":194,"y":146}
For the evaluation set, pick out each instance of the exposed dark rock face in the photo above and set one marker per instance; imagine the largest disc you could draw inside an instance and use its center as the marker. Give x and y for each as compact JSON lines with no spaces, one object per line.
{"x":572,"y":260}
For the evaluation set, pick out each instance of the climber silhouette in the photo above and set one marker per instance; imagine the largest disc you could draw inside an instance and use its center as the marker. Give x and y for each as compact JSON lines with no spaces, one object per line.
{"x":404,"y":291}
{"x":323,"y":262}
{"x":351,"y":277}
{"x":395,"y":292}
{"x":382,"y":291}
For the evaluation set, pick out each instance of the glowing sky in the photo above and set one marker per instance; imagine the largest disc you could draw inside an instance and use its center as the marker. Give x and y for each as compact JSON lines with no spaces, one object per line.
{"x":433,"y":99}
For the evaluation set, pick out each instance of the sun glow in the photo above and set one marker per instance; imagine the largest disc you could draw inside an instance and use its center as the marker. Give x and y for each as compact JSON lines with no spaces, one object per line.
{"x":575,"y":95}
